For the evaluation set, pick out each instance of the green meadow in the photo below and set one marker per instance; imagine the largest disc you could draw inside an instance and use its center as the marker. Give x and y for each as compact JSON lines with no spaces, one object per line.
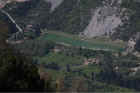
{"x":76,"y":41}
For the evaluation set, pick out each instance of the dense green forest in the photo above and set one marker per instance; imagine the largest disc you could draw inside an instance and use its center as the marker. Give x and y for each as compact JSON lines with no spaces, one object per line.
{"x":17,"y":71}
{"x":20,"y":73}
{"x":114,"y":72}
{"x":48,"y":61}
{"x":72,"y":16}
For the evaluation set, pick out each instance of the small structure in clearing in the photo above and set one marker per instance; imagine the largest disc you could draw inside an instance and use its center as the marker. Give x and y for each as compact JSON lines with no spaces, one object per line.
{"x":91,"y":61}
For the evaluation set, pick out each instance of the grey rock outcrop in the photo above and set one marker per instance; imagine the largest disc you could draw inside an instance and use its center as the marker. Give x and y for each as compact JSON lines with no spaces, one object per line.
{"x":106,"y":19}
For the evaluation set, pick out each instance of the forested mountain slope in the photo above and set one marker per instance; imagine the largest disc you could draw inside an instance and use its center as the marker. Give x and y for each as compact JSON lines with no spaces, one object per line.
{"x":116,"y":19}
{"x":78,"y":45}
{"x":76,"y":16}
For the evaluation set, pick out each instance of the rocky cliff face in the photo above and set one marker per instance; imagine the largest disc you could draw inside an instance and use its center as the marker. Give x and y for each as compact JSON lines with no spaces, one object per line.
{"x":106,"y":19}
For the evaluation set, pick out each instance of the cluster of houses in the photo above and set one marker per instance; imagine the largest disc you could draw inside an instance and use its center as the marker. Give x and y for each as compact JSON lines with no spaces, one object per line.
{"x":88,"y":61}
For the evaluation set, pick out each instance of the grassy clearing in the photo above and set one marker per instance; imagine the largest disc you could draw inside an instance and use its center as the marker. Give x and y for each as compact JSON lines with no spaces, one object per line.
{"x":73,"y":40}
{"x":75,"y":64}
{"x":61,"y":59}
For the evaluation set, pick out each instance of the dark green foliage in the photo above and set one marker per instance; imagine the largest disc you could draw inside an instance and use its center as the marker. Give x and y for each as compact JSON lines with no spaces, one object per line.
{"x":137,"y":47}
{"x":17,"y":73}
{"x":66,"y":17}
{"x":132,"y":26}
{"x":35,"y":47}
{"x":21,"y":9}
{"x":3,"y":34}
{"x":123,"y":76}
{"x":30,"y":34}
{"x":34,"y":12}
{"x":72,"y":16}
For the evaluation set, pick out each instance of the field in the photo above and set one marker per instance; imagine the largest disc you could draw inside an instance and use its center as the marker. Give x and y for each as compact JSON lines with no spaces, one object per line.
{"x":60,"y":64}
{"x":77,"y":41}
{"x":67,"y":66}
{"x":75,"y":63}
